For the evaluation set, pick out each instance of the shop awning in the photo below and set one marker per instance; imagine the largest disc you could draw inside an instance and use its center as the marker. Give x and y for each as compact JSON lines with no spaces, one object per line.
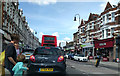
{"x":105,"y":43}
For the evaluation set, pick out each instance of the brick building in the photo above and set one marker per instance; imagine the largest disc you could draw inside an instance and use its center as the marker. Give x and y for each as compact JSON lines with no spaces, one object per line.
{"x":100,"y":29}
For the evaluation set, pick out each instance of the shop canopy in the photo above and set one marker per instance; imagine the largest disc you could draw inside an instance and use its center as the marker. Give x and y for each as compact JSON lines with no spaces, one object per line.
{"x":105,"y":43}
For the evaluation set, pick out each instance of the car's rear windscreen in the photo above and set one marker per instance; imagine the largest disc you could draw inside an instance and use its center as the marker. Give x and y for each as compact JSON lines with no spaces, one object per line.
{"x":51,"y":51}
{"x":28,"y":50}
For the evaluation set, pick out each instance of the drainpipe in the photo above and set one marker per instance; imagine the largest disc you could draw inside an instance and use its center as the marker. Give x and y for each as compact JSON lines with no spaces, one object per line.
{"x":1,"y":27}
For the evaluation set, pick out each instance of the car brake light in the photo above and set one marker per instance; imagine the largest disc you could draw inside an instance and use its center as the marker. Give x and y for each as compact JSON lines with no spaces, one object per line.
{"x":32,"y":58}
{"x":61,"y":58}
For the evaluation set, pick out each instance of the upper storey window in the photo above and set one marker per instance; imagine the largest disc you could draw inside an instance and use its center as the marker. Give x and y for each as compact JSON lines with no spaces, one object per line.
{"x":107,"y":17}
{"x":103,"y":19}
{"x":113,"y":16}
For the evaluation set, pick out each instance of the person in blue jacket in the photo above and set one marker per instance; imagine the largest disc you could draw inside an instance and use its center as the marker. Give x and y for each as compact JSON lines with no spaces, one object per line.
{"x":19,"y":68}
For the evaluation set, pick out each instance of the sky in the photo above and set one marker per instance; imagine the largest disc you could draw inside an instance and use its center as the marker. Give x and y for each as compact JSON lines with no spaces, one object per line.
{"x":55,"y":17}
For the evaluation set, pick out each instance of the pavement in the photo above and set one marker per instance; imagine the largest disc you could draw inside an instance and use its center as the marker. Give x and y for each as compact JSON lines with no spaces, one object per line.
{"x":107,"y":64}
{"x":6,"y":71}
{"x":89,"y":69}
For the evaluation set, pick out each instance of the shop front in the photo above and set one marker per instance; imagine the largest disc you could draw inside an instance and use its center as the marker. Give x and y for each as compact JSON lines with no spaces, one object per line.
{"x":105,"y":48}
{"x":87,"y":50}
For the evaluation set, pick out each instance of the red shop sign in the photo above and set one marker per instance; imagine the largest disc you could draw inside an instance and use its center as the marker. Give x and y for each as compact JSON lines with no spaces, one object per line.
{"x":104,"y":43}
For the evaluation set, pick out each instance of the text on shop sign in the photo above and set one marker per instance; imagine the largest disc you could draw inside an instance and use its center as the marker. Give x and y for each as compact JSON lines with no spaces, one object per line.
{"x":102,"y":44}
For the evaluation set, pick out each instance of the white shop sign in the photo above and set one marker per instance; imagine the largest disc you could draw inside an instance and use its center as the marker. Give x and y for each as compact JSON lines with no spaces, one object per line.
{"x":102,"y":44}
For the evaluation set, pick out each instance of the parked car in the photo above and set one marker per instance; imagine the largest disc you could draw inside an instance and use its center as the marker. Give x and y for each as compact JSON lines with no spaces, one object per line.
{"x":71,"y":56}
{"x":27,"y":53}
{"x":80,"y":57}
{"x":66,"y":55}
{"x":48,"y":60}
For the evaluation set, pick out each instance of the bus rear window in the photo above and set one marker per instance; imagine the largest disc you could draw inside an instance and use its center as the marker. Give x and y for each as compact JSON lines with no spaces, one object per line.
{"x":49,"y":38}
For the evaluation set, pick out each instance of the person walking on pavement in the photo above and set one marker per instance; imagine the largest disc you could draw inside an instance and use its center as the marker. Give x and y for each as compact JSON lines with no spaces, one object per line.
{"x":10,"y":53}
{"x":98,"y":59}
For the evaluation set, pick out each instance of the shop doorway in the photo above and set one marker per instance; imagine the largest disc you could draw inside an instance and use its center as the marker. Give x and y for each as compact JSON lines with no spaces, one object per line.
{"x":86,"y":52}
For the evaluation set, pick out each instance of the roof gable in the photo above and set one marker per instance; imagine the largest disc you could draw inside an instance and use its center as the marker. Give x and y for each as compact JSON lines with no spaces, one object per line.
{"x":108,"y":6}
{"x":92,"y":17}
{"x":82,"y":22}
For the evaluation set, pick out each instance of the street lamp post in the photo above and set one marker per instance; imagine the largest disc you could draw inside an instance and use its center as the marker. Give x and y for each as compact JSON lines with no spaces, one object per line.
{"x":75,"y":19}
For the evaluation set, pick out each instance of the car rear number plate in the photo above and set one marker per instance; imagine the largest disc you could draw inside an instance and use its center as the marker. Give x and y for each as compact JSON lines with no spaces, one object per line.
{"x":46,"y":69}
{"x":27,"y":58}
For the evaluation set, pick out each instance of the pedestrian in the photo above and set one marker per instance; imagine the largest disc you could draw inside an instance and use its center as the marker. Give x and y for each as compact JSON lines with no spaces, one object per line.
{"x":17,"y":49}
{"x":88,"y":58}
{"x":19,"y":68}
{"x":98,"y":59}
{"x":10,"y":53}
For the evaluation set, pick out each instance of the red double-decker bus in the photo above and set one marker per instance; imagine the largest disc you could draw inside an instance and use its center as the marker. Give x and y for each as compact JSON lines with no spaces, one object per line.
{"x":49,"y":40}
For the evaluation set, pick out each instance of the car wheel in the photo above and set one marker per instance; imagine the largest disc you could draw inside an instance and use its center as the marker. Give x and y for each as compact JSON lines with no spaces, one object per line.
{"x":63,"y":73}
